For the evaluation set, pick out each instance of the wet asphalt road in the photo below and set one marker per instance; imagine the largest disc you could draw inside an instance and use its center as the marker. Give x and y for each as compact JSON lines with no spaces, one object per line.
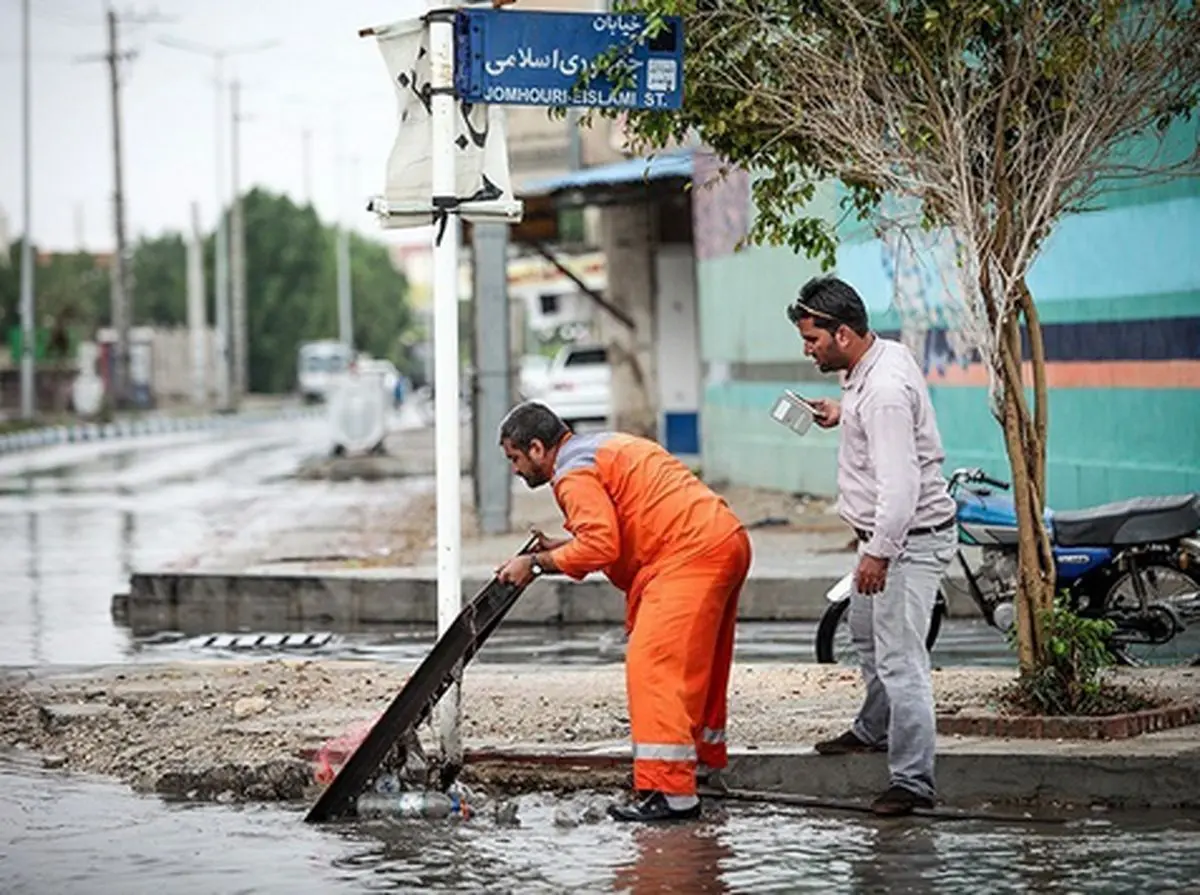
{"x":76,"y":520}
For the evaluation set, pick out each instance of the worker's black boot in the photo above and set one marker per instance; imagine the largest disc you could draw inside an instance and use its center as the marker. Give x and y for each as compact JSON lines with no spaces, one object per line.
{"x":653,"y":808}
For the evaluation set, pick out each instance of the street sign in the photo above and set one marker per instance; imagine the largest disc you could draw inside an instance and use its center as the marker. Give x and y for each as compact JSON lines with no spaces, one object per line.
{"x":540,"y":59}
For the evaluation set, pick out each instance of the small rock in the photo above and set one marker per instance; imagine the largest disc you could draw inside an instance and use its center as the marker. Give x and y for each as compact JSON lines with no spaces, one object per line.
{"x":506,"y":814}
{"x":250,"y":705}
{"x":57,"y":717}
{"x":565,"y":817}
{"x":594,"y":813}
{"x":54,"y":761}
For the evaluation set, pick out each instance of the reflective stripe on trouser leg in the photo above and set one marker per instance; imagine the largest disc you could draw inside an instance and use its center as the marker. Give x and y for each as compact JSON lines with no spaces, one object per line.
{"x":673,"y":666}
{"x":710,"y":744}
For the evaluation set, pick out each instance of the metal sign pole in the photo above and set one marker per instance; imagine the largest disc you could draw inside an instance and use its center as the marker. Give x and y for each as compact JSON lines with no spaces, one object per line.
{"x":445,"y":349}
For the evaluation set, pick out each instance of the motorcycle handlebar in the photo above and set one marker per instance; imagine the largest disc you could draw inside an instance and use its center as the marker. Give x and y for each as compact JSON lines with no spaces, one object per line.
{"x":978,"y":476}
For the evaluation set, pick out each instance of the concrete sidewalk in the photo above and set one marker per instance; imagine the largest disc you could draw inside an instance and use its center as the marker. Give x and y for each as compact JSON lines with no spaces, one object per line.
{"x":1158,"y":770}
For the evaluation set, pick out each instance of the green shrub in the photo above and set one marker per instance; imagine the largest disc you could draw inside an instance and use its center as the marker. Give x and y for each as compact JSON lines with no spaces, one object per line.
{"x":1068,"y":679}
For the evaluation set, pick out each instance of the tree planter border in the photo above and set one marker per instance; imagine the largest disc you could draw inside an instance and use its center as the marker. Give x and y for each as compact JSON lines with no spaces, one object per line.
{"x":1073,"y":727}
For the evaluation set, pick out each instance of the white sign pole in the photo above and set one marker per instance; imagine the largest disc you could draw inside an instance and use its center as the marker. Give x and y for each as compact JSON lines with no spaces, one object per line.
{"x":445,"y":351}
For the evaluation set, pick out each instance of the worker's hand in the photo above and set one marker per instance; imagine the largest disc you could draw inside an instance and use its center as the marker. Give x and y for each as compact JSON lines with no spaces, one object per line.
{"x":870,"y":577}
{"x":518,"y":570}
{"x":544,"y":544}
{"x":829,"y":412}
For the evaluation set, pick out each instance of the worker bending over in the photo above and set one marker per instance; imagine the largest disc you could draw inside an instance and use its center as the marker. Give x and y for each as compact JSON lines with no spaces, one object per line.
{"x":679,"y":554}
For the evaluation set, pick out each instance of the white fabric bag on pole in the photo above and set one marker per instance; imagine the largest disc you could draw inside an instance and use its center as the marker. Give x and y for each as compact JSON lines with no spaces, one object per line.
{"x":482,"y":182}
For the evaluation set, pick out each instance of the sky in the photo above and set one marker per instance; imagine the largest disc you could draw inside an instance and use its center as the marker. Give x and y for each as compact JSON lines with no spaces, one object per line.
{"x":320,"y":76}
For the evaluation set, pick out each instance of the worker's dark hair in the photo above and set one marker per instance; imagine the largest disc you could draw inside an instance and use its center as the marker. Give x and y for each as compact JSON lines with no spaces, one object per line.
{"x":829,"y":303}
{"x":532,"y":421}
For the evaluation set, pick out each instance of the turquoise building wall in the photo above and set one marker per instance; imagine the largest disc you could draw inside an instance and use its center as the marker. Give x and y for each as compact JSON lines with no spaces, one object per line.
{"x":1118,"y":289}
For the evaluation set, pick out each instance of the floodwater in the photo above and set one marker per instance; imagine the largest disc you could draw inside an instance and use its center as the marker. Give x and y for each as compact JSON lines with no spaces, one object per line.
{"x":76,"y":520}
{"x":67,"y":834}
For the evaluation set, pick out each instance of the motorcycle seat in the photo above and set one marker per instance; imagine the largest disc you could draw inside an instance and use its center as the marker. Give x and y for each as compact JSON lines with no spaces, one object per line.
{"x":1127,"y":523}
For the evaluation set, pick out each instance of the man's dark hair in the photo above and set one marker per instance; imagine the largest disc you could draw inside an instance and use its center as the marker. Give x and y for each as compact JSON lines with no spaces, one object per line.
{"x":532,"y":421}
{"x":829,"y":303}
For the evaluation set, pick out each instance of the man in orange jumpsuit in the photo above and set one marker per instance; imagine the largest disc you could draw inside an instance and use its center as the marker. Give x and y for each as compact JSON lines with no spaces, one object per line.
{"x":679,"y":553}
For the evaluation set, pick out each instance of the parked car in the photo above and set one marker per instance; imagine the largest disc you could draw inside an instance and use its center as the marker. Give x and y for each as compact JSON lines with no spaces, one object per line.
{"x":579,"y":384}
{"x":318,"y":366}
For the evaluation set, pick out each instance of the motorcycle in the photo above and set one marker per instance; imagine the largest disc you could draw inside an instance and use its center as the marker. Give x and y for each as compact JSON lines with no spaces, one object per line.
{"x":1135,"y":563}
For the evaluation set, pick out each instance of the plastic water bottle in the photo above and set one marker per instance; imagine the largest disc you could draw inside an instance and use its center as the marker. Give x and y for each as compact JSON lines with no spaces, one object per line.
{"x":426,"y":805}
{"x":388,"y":784}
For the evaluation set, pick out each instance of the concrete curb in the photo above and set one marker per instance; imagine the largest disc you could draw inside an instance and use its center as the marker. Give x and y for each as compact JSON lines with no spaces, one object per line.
{"x":199,"y":603}
{"x":49,"y":436}
{"x":969,"y":773}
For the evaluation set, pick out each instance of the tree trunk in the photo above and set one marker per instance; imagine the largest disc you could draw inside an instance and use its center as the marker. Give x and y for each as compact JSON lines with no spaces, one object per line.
{"x":1025,"y":440}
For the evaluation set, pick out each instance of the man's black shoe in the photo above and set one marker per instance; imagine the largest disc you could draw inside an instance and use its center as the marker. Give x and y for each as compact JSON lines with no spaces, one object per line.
{"x":898,"y":801}
{"x":653,"y":808}
{"x":846,"y":744}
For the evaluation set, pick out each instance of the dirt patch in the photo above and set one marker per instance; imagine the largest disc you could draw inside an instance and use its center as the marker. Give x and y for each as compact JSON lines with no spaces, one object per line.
{"x":246,"y":728}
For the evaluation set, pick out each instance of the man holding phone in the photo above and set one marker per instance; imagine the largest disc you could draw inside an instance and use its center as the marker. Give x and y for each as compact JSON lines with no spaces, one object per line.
{"x":892,"y":493}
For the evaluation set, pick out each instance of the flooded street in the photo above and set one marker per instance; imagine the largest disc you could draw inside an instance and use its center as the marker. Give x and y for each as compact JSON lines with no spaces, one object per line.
{"x":120,"y":842}
{"x":76,"y":520}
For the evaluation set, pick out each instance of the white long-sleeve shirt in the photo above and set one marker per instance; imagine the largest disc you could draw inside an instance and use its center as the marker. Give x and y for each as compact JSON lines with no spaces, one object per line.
{"x":890,"y":453}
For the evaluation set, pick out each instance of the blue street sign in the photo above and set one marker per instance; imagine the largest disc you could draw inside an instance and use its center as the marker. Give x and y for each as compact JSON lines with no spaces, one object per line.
{"x":540,"y":58}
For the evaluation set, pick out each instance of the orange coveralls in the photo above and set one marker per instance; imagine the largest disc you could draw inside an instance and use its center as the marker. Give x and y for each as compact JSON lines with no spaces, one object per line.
{"x":681,"y":556}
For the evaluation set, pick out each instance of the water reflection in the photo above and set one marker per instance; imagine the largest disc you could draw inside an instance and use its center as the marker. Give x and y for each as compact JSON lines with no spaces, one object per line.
{"x":74,"y":532}
{"x":898,"y":857}
{"x":685,"y":858}
{"x":71,"y":834}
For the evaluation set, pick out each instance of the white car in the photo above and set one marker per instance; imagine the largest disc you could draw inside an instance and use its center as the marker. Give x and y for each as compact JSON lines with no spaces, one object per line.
{"x":578,"y":385}
{"x":532,"y":377}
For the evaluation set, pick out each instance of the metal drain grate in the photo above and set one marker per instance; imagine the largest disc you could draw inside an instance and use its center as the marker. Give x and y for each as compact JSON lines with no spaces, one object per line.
{"x":266,"y":641}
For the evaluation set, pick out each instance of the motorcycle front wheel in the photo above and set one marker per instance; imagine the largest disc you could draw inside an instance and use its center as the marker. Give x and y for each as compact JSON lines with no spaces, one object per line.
{"x":834,"y":645}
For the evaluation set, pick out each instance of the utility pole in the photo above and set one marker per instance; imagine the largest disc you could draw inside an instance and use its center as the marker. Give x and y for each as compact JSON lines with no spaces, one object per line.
{"x":121,"y":302}
{"x":120,"y":292}
{"x":306,"y":163}
{"x":196,"y":315}
{"x":28,"y":407}
{"x":221,"y":249}
{"x":223,"y":377}
{"x":237,"y":252}
{"x":345,"y":299}
{"x":492,"y":395}
{"x":345,"y":293}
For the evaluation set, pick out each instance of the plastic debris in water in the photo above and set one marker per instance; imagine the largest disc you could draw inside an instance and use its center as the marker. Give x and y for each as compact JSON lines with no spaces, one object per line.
{"x":505,"y":813}
{"x":427,"y":805}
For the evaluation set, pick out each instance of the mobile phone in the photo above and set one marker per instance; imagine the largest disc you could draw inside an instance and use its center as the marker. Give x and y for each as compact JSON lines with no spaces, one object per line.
{"x":803,"y":400}
{"x":794,"y":412}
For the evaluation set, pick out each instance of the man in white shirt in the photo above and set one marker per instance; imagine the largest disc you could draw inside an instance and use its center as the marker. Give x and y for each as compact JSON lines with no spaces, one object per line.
{"x":892,"y":493}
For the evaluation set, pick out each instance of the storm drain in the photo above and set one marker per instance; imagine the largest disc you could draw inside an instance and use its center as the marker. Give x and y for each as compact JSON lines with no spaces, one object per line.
{"x":265,"y":641}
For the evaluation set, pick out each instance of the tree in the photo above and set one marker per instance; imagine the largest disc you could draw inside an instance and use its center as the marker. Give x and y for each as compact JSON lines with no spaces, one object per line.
{"x":160,"y":281}
{"x":291,"y":293}
{"x":988,"y":119}
{"x":291,"y":290}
